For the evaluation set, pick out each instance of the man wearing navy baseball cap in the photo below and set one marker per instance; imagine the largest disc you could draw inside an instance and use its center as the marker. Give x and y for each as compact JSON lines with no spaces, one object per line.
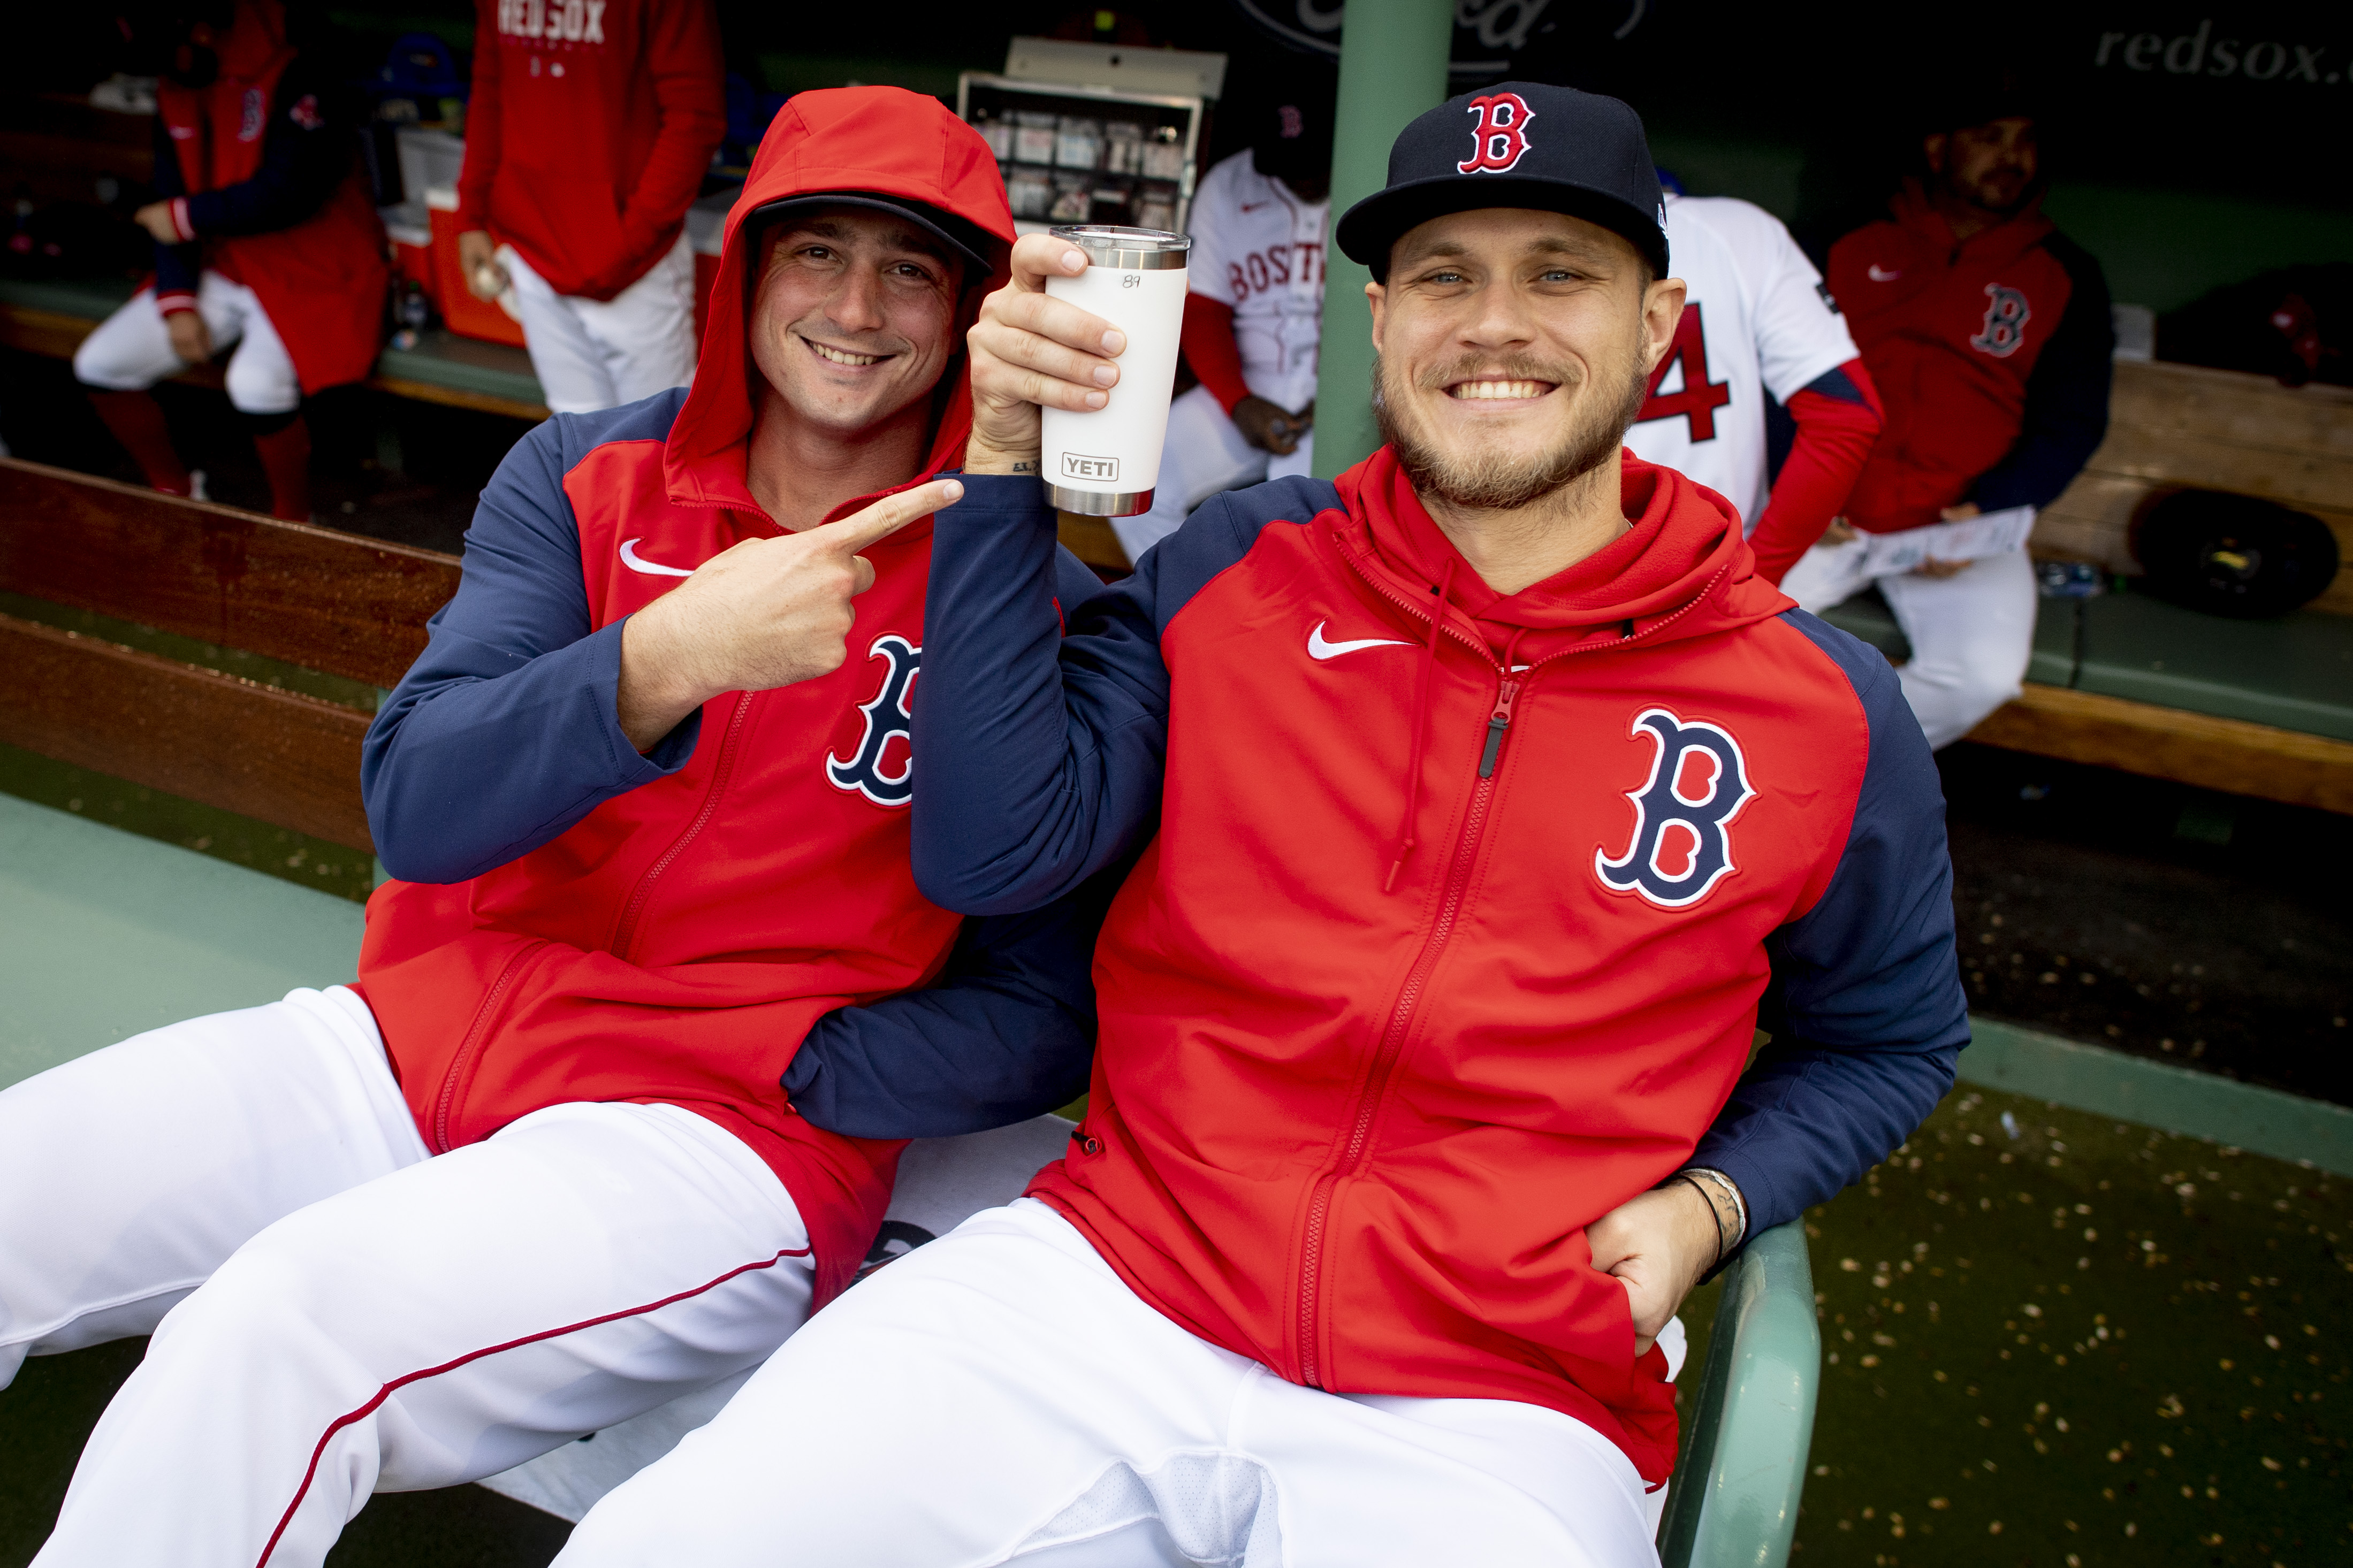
{"x":1482,"y":798}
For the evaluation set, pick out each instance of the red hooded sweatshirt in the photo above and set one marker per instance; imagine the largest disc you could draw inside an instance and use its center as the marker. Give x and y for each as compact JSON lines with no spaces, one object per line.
{"x":591,"y":124}
{"x":321,"y":280}
{"x":1951,"y":331}
{"x":1452,"y":927}
{"x":675,"y":943}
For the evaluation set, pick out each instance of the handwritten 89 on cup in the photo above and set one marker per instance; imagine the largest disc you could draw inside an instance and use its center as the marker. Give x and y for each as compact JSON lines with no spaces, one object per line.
{"x":1103,"y":463}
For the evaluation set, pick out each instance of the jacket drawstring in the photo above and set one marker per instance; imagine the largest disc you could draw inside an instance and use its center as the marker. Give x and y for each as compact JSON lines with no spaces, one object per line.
{"x":1420,"y":722}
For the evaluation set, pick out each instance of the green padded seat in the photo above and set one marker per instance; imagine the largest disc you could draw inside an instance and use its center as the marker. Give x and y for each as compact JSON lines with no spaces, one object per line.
{"x":1749,"y":1426}
{"x":1866,"y":615}
{"x":104,"y":934}
{"x":2292,"y":673}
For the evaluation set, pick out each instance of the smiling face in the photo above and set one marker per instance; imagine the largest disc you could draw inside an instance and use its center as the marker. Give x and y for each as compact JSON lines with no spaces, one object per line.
{"x":854,"y":318}
{"x":1516,"y":348}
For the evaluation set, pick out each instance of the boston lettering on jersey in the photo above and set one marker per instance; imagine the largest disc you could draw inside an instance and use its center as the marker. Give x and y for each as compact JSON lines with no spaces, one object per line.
{"x":565,"y":21}
{"x":1276,"y":266}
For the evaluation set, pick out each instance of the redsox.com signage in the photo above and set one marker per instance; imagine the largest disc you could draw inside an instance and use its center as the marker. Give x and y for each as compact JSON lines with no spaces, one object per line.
{"x":2230,"y":51}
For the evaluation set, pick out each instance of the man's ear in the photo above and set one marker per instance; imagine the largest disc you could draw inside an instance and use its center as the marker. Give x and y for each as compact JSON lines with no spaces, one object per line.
{"x":1377,"y":297}
{"x":1932,"y":147}
{"x":1662,"y":308}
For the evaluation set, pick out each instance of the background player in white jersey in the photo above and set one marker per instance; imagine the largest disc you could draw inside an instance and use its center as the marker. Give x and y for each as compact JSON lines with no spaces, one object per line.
{"x":1756,"y":321}
{"x":1253,"y":318}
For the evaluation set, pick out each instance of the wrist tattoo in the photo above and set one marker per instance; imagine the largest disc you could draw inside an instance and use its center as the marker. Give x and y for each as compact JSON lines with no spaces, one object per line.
{"x":1025,"y":467}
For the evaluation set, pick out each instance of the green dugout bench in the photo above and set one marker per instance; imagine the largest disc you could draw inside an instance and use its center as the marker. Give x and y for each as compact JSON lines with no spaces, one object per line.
{"x":104,"y":934}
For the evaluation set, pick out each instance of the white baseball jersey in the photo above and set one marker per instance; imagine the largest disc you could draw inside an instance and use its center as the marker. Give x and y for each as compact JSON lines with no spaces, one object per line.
{"x":1756,"y":320}
{"x":1259,"y":249}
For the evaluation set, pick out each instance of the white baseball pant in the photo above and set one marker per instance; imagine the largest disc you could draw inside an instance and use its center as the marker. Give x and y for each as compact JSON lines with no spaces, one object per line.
{"x":1971,"y":633}
{"x":1205,"y":454}
{"x":131,"y":351}
{"x":1001,"y":1396}
{"x":335,"y":1313}
{"x":600,"y":354}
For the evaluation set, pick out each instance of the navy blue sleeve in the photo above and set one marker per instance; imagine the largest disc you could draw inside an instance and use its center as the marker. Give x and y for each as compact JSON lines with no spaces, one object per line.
{"x":506,"y":732}
{"x":1039,"y":756}
{"x":1007,"y":1033}
{"x":1866,"y":1009}
{"x":305,"y":152}
{"x":176,"y":266}
{"x":2066,"y":396}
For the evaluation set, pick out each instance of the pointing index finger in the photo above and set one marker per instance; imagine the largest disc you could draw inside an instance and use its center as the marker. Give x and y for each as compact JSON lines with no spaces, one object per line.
{"x":888,"y":516}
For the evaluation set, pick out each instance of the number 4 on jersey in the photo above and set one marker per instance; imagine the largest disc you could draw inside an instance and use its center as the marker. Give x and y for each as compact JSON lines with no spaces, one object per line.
{"x":1700,"y":397}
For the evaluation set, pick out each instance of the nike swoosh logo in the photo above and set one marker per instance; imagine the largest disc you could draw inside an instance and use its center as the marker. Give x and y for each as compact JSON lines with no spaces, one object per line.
{"x":636,"y":563}
{"x":1253,"y":207}
{"x":1881,"y":275}
{"x":1317,"y":648}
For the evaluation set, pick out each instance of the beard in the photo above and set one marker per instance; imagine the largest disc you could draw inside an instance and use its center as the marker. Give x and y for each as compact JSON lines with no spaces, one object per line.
{"x":1489,"y":478}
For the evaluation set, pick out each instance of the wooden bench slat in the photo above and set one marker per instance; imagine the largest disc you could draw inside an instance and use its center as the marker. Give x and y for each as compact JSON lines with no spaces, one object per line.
{"x":284,"y":758}
{"x":313,"y":597}
{"x":2228,"y":755}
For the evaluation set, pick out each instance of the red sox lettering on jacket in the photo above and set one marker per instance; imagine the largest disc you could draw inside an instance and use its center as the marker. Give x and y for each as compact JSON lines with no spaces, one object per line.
{"x":591,"y":126}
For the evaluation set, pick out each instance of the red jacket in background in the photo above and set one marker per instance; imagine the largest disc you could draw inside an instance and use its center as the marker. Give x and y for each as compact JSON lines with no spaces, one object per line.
{"x":589,"y":130}
{"x":1951,"y":331}
{"x":675,"y":943}
{"x":321,"y":281}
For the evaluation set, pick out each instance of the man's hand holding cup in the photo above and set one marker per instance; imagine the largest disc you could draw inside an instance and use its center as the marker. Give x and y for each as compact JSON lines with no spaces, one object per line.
{"x":1028,"y":352}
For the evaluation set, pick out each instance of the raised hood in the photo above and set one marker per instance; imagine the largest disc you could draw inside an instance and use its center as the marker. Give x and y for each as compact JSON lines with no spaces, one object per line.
{"x":882,"y":140}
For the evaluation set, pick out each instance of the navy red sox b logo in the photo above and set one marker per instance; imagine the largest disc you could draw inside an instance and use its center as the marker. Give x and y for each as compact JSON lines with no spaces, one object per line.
{"x":1674,"y":828}
{"x":1502,"y":133}
{"x":888,"y":718}
{"x":2005,"y":322}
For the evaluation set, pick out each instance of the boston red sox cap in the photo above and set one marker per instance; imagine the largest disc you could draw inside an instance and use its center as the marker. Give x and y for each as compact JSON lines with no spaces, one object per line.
{"x":972,"y":242}
{"x":1519,"y":144}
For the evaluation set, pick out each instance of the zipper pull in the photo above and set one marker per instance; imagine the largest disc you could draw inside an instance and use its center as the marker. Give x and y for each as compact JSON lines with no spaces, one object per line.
{"x":1497,"y":722}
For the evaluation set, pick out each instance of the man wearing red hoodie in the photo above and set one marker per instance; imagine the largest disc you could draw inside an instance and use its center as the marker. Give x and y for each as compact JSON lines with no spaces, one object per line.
{"x":1988,"y":332}
{"x":590,"y":127}
{"x":640,"y":1023}
{"x":265,"y":245}
{"x":1486,"y":799}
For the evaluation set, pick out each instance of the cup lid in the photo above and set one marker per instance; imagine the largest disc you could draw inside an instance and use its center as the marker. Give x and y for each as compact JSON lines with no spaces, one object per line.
{"x":1131,"y":250}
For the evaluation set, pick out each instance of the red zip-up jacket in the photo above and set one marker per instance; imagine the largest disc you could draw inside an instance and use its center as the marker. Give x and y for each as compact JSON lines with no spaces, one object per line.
{"x":669,"y":927}
{"x":589,"y":129}
{"x":1456,"y":915}
{"x":1990,"y":356}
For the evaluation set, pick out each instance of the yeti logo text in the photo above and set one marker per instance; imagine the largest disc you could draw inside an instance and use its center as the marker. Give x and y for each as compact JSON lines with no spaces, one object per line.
{"x":887,"y":719}
{"x":1096,"y":471}
{"x":2005,"y":322}
{"x":1502,"y":133}
{"x":1671,"y":826}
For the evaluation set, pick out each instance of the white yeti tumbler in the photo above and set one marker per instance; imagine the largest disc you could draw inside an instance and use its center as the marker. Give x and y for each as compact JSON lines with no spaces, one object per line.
{"x":1103,"y":463}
